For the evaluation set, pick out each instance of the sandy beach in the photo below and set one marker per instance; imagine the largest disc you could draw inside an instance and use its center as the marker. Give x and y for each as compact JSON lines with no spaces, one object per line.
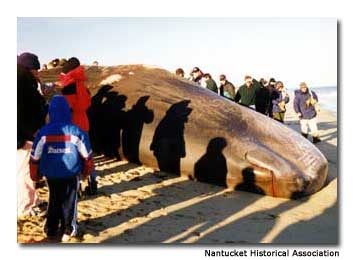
{"x":136,"y":204}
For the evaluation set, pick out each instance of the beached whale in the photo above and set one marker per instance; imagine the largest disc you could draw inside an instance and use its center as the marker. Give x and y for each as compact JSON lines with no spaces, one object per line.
{"x":167,"y":122}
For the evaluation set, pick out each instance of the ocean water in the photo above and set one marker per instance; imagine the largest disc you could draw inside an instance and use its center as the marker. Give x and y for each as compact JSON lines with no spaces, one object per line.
{"x":327,"y":97}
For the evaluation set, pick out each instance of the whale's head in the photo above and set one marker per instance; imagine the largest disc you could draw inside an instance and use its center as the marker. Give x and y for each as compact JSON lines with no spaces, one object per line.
{"x":283,"y":162}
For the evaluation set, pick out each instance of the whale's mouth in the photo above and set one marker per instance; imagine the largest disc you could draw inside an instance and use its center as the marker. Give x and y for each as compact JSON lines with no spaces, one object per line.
{"x":281,"y":178}
{"x":264,"y":178}
{"x":268,"y":169}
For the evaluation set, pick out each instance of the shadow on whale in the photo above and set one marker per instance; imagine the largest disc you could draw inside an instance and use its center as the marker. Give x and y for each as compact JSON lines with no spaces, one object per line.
{"x":172,"y":124}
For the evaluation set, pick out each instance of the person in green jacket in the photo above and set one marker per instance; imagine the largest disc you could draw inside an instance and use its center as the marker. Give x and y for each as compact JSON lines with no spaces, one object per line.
{"x":246,"y":94}
{"x":227,"y":89}
{"x":210,"y":83}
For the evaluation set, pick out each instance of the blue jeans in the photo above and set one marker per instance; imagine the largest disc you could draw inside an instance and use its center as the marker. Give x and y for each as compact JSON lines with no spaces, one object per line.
{"x":62,"y":207}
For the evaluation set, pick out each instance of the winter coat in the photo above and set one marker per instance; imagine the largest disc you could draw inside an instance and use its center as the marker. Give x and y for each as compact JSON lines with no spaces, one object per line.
{"x":77,"y":96}
{"x":60,"y":149}
{"x":277,"y":98}
{"x":198,"y":79}
{"x":31,"y":106}
{"x":227,"y":90}
{"x":300,"y":106}
{"x":262,"y":100}
{"x":270,"y":106}
{"x":211,"y":85}
{"x":247,"y":96}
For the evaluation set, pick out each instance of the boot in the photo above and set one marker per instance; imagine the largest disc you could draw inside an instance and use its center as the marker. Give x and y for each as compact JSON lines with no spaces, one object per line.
{"x":91,"y":188}
{"x":304,"y":135}
{"x":315,"y":139}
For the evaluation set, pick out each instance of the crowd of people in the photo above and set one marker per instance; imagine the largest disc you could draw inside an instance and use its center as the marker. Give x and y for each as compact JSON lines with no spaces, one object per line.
{"x":53,"y":140}
{"x":266,"y":97}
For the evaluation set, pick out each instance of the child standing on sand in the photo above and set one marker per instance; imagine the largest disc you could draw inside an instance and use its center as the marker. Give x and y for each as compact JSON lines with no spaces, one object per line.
{"x":61,"y":152}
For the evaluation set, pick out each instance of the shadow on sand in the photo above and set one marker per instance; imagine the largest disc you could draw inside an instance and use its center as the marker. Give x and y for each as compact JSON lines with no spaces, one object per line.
{"x":207,"y":217}
{"x":203,"y":213}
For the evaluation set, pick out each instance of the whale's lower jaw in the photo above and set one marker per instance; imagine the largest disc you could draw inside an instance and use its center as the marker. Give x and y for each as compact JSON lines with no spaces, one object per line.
{"x":291,"y":185}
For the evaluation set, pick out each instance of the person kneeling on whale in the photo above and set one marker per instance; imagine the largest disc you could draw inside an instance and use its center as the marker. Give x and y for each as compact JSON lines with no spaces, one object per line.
{"x":61,"y":152}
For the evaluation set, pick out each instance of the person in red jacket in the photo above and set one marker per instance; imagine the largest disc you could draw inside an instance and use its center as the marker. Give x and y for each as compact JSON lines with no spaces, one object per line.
{"x":72,"y":79}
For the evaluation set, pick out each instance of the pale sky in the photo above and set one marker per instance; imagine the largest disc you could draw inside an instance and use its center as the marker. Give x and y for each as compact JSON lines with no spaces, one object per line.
{"x":291,"y":50}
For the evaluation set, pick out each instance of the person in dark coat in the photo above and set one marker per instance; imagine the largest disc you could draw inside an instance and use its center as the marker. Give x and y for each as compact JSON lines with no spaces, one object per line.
{"x":196,"y":75}
{"x":246,"y":94}
{"x":262,"y":98}
{"x":279,"y":99}
{"x":227,"y":89}
{"x":31,"y":106}
{"x":31,"y":113}
{"x":271,"y":88}
{"x":210,"y":83}
{"x":305,"y":105}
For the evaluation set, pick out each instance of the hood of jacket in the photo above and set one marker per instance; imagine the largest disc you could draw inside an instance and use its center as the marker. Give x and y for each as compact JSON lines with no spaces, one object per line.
{"x":59,"y":110}
{"x":299,"y":92}
{"x":75,"y":75}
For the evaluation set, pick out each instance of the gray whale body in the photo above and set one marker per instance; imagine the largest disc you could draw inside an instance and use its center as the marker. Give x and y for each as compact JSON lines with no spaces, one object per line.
{"x":194,"y":132}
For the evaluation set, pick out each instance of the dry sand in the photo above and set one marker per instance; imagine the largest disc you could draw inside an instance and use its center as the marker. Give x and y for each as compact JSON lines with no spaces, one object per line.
{"x":137,"y":205}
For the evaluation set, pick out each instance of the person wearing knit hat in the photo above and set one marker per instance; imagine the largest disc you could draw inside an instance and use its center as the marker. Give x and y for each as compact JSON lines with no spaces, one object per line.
{"x":31,"y":113}
{"x":70,"y":65}
{"x":72,"y":79}
{"x":29,"y":61}
{"x":31,"y":106}
{"x":306,"y":108}
{"x":74,"y":90}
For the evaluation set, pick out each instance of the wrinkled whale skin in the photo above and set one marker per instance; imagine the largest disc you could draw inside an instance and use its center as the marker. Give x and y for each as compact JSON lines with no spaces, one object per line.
{"x":284,"y":163}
